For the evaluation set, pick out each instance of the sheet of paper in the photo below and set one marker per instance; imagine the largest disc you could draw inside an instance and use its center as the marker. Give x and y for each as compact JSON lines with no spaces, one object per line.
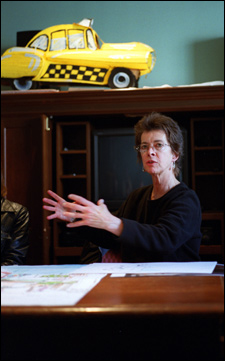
{"x":151,"y":268}
{"x":56,"y":285}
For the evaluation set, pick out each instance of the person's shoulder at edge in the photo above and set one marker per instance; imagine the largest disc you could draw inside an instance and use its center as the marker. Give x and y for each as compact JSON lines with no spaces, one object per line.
{"x":10,"y":206}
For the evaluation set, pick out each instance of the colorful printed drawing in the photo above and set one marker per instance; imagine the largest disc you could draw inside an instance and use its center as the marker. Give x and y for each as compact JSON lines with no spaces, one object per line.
{"x":74,"y":53}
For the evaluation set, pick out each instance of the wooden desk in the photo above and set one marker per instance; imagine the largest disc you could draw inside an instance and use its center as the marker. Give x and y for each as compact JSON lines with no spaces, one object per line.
{"x":132,"y":318}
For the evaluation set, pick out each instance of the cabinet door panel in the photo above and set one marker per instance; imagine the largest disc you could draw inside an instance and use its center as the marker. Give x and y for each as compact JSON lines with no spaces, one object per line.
{"x":26,"y":164}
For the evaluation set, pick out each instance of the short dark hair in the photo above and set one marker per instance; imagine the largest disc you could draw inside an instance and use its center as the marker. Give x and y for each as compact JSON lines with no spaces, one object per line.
{"x":174,"y":136}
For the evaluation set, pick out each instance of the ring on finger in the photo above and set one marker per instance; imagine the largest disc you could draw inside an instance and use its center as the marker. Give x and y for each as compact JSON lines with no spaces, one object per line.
{"x":72,"y":219}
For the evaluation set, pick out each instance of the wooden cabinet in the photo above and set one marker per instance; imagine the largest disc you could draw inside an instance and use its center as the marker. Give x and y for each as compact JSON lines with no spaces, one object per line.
{"x":46,"y":144}
{"x":207,"y":148}
{"x":73,"y":174}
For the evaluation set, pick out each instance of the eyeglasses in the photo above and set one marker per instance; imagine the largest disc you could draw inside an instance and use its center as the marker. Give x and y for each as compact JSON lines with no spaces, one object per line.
{"x":157,"y":147}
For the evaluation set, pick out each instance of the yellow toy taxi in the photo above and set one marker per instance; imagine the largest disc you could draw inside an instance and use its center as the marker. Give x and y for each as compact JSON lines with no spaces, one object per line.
{"x":74,"y":53}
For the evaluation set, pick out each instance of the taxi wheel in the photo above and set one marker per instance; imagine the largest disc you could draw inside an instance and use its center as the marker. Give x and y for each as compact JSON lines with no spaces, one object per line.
{"x":23,"y":84}
{"x":122,"y":78}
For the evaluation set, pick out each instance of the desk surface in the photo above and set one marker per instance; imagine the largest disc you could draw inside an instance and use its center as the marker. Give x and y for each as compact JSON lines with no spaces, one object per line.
{"x":150,"y":295}
{"x":129,"y":318}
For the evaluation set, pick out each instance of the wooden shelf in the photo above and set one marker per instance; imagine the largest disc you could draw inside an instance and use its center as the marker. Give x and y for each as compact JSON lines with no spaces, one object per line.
{"x":208,"y":173}
{"x":73,"y":174}
{"x":209,"y":148}
{"x":207,"y":139}
{"x":114,"y":101}
{"x":213,"y":215}
{"x":211,"y":250}
{"x":67,"y":152}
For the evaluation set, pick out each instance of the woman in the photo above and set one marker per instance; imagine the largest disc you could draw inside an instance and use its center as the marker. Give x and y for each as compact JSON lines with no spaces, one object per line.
{"x":157,"y":223}
{"x":14,"y":231}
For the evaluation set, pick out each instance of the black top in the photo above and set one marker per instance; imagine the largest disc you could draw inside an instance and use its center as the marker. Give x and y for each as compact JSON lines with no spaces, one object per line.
{"x":162,"y":230}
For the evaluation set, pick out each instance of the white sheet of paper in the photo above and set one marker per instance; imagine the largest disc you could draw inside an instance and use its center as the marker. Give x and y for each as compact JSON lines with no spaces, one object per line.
{"x":56,"y":285}
{"x":151,"y":268}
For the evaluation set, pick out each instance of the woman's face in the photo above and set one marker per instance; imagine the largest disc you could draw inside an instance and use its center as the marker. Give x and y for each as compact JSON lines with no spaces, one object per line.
{"x":157,"y":155}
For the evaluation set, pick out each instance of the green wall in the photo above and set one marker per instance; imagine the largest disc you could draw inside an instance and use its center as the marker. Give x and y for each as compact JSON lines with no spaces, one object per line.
{"x":188,"y":36}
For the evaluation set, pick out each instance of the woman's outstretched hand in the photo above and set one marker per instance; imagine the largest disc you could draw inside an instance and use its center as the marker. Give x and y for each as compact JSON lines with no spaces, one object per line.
{"x":81,"y":212}
{"x":56,"y":205}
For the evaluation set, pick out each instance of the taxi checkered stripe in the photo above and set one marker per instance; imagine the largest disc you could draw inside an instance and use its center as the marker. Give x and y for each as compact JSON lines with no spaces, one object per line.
{"x":75,"y":72}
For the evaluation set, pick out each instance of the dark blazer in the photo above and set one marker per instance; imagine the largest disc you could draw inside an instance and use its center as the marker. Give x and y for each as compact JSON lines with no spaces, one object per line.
{"x":14,"y":233}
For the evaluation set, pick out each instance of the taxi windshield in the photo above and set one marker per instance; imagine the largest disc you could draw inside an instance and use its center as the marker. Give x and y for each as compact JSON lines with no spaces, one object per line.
{"x":41,"y":42}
